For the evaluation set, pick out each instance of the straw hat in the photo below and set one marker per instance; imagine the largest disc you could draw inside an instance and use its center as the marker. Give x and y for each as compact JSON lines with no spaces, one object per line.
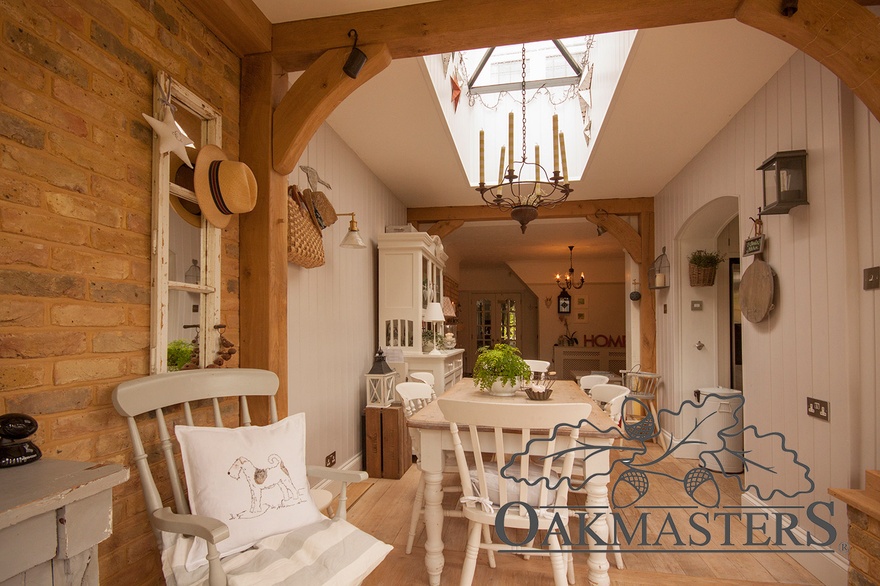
{"x":223,"y":187}
{"x":188,"y":210}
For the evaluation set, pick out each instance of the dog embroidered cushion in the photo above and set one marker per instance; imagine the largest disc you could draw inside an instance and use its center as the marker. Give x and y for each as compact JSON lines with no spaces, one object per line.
{"x":251,"y":478}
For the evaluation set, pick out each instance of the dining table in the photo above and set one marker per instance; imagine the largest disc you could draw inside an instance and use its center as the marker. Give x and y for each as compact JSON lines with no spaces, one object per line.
{"x":436,"y":437}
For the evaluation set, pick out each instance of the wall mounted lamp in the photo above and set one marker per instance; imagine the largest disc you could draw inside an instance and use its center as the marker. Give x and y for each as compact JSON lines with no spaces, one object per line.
{"x":785,"y":182}
{"x":353,"y":238}
{"x":788,"y":8}
{"x":356,"y":58}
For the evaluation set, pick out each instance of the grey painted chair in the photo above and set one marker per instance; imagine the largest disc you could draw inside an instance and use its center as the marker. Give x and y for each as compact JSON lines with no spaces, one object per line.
{"x":192,"y":397}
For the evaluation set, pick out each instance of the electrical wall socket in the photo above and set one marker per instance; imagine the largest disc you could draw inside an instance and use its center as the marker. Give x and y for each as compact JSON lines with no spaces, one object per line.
{"x":819,"y":409}
{"x":330,"y":460}
{"x":872,"y":278}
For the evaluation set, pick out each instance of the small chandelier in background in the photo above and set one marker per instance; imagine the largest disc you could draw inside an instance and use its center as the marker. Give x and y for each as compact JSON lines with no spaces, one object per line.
{"x":514,"y":192}
{"x":567,"y":282}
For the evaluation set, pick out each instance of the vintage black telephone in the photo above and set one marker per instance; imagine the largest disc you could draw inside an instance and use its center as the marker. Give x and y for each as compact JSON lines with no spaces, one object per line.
{"x":14,"y":448}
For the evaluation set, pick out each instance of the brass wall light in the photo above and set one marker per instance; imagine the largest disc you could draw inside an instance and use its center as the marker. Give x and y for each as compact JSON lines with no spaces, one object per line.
{"x":785,"y":182}
{"x":353,"y":238}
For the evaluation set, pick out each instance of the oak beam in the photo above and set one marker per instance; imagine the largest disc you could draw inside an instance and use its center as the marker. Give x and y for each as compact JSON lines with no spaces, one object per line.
{"x":444,"y":228}
{"x":240,"y":24}
{"x":263,"y":235}
{"x":457,"y":25}
{"x":840,"y":34}
{"x":568,"y":209}
{"x":314,"y":95}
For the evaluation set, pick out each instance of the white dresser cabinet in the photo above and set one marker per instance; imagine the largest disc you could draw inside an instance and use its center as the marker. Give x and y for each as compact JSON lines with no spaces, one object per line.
{"x":53,"y":514}
{"x":411,"y":276}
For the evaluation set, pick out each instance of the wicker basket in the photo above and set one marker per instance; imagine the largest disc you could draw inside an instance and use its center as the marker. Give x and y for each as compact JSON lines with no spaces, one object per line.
{"x":305,"y":247}
{"x":701,"y":276}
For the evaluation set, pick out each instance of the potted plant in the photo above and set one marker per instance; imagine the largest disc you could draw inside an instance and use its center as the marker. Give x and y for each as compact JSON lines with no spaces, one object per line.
{"x":179,"y":353}
{"x":427,"y":340}
{"x":702,"y":266}
{"x":500,"y":370}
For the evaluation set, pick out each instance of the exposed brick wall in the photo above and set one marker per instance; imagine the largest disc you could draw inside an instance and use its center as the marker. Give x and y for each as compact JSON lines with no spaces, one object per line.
{"x":75,"y":173}
{"x":864,"y":548}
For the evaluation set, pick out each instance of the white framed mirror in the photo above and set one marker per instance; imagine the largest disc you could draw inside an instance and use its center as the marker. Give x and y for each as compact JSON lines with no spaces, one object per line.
{"x":185,"y":302}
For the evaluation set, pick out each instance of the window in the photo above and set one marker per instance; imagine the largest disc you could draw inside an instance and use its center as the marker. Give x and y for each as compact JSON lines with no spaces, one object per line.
{"x":185,"y":304}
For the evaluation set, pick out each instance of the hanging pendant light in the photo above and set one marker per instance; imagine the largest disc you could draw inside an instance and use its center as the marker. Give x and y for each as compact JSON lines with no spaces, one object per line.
{"x":514,"y":192}
{"x":567,"y":282}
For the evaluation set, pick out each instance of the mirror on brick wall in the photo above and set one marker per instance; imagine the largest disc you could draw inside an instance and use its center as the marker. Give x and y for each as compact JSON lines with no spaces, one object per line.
{"x":186,"y":248}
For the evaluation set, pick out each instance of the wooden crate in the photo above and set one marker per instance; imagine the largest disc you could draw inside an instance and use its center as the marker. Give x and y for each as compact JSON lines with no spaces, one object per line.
{"x":387,"y":446}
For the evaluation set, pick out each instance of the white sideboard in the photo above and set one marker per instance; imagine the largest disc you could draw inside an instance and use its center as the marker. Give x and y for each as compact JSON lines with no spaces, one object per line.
{"x":446,"y":368}
{"x":53,"y":514}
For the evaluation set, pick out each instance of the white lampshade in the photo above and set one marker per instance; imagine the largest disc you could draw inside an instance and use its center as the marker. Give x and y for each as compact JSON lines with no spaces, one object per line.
{"x":353,"y":238}
{"x":434,"y":312}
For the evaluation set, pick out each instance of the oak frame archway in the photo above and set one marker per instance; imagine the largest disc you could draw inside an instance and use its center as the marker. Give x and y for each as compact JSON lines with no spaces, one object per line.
{"x":841,"y":34}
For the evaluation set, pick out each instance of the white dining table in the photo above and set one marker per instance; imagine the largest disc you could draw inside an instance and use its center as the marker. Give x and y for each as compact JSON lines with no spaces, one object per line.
{"x":435,"y":437}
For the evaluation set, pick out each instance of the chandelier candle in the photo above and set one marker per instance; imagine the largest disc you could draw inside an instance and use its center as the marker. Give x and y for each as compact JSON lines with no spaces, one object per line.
{"x":501,"y":173}
{"x":555,"y":143}
{"x":482,"y":158}
{"x":510,"y":140}
{"x":538,"y":164}
{"x":564,"y":163}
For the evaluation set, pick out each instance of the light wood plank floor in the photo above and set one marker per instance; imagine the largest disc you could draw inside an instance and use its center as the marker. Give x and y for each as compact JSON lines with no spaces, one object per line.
{"x":382,"y":508}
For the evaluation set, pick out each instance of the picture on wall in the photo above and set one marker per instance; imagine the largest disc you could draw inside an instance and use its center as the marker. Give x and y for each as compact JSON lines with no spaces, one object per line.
{"x":580,"y":316}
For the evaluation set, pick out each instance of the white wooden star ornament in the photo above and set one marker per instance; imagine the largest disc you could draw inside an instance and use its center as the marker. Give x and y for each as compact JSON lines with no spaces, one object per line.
{"x":172,"y":138}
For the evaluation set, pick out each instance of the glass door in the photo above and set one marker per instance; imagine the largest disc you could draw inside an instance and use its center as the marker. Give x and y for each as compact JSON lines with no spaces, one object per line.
{"x":494,"y":320}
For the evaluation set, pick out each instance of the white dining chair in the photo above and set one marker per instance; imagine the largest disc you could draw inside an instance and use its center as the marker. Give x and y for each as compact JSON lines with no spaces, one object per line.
{"x":538,"y":366}
{"x":422,"y":377}
{"x":487,"y":487}
{"x":415,"y":396}
{"x":589,"y":381}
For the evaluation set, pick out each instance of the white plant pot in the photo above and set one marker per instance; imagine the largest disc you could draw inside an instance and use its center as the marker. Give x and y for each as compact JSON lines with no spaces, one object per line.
{"x":501,"y":390}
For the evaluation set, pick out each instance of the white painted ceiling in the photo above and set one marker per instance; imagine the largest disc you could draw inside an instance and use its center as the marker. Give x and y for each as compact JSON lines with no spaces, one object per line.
{"x":681,"y":85}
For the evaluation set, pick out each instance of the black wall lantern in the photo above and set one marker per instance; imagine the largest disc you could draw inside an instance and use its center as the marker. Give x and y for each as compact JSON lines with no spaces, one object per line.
{"x":785,"y":182}
{"x":356,"y":58}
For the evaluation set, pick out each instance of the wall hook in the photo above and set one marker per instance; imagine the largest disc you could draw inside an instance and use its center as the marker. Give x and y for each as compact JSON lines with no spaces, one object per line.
{"x":699,"y":345}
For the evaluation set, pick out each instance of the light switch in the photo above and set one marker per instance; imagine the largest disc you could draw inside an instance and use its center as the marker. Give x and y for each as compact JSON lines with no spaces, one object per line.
{"x":696,"y":305}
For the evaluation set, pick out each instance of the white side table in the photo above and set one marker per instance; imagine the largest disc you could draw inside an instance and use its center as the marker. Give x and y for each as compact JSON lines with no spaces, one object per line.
{"x":53,"y":514}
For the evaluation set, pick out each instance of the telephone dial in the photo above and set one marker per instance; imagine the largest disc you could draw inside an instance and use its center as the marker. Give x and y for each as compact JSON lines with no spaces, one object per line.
{"x":15,"y":449}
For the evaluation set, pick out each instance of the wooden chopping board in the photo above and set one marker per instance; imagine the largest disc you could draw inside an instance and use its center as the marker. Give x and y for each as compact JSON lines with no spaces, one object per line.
{"x":756,"y":291}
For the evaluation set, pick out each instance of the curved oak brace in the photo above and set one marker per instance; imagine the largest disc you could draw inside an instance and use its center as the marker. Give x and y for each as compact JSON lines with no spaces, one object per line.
{"x":313,"y":97}
{"x":840,"y":34}
{"x":444,"y":228}
{"x":619,"y":228}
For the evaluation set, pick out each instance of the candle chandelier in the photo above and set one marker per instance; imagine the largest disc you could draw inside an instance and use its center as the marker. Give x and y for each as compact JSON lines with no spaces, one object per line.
{"x":516,"y":193}
{"x":567,"y":282}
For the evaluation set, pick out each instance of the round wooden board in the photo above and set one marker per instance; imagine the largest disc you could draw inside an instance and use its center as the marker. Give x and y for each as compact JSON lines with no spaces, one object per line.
{"x":756,"y":291}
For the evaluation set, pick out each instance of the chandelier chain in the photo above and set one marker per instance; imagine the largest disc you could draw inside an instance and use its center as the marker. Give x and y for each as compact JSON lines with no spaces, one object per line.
{"x":524,"y":101}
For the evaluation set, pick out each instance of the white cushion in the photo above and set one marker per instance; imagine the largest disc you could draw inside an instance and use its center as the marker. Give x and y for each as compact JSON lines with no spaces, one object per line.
{"x":329,"y":552}
{"x":251,"y":478}
{"x":532,"y":495}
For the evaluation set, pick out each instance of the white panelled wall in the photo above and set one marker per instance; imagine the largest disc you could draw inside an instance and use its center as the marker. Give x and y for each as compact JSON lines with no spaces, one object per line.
{"x":822,"y":339}
{"x":332,"y":309}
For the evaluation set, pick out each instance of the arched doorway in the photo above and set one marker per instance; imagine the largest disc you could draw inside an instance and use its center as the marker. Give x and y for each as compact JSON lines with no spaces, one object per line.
{"x":702,"y":334}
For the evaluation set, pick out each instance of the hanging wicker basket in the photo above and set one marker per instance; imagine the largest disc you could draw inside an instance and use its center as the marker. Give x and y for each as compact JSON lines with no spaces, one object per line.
{"x":701,"y":276}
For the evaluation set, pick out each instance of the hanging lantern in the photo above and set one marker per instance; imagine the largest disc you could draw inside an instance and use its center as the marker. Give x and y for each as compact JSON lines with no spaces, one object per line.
{"x":380,"y":382}
{"x":658,"y":272}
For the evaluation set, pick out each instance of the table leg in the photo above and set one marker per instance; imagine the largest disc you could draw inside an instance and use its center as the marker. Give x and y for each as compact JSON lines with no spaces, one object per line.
{"x":597,"y":501}
{"x":432,"y":471}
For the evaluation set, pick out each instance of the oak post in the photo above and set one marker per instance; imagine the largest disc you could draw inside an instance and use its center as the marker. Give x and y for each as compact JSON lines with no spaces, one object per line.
{"x":263,"y":240}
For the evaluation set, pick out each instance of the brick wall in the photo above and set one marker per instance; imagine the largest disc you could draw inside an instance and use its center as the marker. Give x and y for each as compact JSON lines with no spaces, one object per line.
{"x":75,"y":172}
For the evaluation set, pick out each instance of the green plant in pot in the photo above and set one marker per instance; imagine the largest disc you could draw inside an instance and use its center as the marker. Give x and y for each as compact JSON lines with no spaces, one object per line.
{"x":702,"y":266}
{"x":179,"y":353}
{"x":499,"y":370}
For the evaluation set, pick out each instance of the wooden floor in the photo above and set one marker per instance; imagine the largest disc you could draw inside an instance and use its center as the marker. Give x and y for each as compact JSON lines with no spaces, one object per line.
{"x":382,"y":508}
